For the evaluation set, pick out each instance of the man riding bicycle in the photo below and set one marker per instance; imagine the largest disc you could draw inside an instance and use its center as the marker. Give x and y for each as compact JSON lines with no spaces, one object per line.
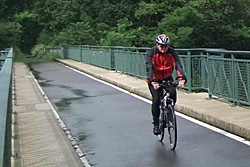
{"x":160,"y":62}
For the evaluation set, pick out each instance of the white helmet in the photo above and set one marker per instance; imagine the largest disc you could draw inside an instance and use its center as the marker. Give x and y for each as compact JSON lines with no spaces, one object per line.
{"x":162,"y":40}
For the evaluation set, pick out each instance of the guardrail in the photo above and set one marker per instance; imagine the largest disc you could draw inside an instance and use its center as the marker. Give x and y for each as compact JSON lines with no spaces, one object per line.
{"x":217,"y":71}
{"x":56,"y":51}
{"x":3,"y":55}
{"x":230,"y":77}
{"x":6,"y":107}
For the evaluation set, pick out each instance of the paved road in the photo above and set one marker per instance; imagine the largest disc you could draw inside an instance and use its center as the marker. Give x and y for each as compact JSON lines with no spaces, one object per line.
{"x":114,"y":128}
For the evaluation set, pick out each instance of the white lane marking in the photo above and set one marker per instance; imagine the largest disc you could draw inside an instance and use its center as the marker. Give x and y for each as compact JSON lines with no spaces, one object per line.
{"x":230,"y":135}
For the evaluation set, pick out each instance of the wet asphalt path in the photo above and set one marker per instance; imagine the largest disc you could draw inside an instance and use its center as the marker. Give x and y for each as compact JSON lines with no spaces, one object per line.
{"x":114,"y":128}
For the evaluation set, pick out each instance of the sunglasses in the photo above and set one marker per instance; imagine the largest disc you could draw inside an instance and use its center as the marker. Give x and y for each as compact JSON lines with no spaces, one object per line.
{"x":164,"y":46}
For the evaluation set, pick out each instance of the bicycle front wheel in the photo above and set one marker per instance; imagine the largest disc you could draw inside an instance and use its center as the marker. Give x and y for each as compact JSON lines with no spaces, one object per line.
{"x":162,"y":126}
{"x":172,"y":127}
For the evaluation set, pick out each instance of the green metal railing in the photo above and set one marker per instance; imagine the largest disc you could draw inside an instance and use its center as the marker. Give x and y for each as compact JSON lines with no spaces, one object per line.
{"x":5,"y":109}
{"x":57,"y":51}
{"x":130,"y":62}
{"x":230,"y":77}
{"x":217,"y":71}
{"x":3,"y":55}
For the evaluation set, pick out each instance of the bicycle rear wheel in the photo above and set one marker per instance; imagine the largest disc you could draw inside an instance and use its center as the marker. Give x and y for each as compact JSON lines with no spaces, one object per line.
{"x":172,"y":128}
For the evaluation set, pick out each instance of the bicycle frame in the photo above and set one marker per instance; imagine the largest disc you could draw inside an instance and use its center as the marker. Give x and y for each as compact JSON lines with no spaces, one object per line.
{"x":165,"y":101}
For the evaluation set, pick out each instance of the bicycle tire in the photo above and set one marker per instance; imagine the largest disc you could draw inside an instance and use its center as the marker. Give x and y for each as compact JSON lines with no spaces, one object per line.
{"x":172,"y":128}
{"x":162,"y":126}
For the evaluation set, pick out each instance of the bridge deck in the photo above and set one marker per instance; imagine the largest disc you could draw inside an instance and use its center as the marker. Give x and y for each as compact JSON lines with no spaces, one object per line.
{"x":42,"y":142}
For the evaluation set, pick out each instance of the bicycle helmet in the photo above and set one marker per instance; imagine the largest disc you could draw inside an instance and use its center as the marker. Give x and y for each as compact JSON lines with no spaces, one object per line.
{"x":162,"y":40}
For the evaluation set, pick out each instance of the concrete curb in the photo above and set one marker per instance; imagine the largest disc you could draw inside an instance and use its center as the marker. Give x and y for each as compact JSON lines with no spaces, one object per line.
{"x":216,"y":122}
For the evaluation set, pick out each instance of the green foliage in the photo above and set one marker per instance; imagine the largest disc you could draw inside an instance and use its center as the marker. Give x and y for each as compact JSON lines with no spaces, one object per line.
{"x":144,"y":37}
{"x":55,"y":15}
{"x":189,"y":23}
{"x":185,"y":37}
{"x":3,"y":8}
{"x":183,"y":28}
{"x":241,"y":37}
{"x":78,"y":33}
{"x":10,"y":34}
{"x":46,"y":37}
{"x":30,"y":29}
{"x":120,"y":36}
{"x":19,"y":56}
{"x":148,"y":9}
{"x":39,"y":52}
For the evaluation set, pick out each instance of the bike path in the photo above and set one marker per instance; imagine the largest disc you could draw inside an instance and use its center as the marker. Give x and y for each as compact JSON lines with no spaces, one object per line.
{"x":213,"y":111}
{"x":38,"y":140}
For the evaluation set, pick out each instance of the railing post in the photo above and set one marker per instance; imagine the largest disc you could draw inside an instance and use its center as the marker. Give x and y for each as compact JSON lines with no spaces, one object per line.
{"x":81,"y":53}
{"x":63,"y":52}
{"x":234,"y":80}
{"x":189,"y":71}
{"x":221,"y":68}
{"x":203,"y":70}
{"x":248,"y":82}
{"x":112,"y":55}
{"x":209,"y":76}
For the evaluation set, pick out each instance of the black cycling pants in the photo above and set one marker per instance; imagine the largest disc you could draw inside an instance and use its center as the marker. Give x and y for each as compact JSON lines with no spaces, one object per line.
{"x":156,"y":94}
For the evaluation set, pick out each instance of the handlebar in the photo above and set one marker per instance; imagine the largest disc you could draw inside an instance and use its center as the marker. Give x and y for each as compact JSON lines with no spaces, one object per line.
{"x":164,"y":83}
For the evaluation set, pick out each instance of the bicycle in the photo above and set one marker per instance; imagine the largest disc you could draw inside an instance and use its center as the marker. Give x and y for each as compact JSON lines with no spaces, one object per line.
{"x":167,"y":114}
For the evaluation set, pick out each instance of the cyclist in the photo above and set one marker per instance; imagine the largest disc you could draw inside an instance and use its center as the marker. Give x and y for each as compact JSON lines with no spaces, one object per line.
{"x":160,"y":62}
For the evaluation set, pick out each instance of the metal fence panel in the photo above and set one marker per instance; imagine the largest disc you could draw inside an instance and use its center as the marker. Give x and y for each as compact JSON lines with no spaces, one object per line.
{"x":229,"y":78}
{"x":74,"y":53}
{"x":100,"y":57}
{"x":242,"y":81}
{"x":196,"y":70}
{"x":57,"y":51}
{"x":204,"y":72}
{"x":131,"y":63}
{"x":87,"y":55}
{"x":221,"y":77}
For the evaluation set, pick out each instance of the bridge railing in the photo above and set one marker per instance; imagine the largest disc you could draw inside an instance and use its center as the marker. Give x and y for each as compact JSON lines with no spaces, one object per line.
{"x":219,"y":72}
{"x":229,"y":76}
{"x":3,"y":55}
{"x":57,"y":51}
{"x":5,"y":107}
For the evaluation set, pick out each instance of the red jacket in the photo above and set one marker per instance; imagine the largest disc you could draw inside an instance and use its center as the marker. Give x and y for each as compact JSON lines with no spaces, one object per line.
{"x":161,"y":65}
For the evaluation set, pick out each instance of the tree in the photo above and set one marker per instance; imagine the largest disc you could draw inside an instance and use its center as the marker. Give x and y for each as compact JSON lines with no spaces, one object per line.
{"x":30,"y":29}
{"x":189,"y":23}
{"x":10,"y":34}
{"x":79,"y":33}
{"x":184,"y":30}
{"x":120,"y":36}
